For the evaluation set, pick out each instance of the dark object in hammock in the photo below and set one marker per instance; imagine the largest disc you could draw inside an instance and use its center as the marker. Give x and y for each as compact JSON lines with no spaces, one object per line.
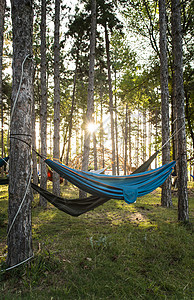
{"x":4,"y":181}
{"x":3,"y":161}
{"x":50,"y":176}
{"x":73,"y":207}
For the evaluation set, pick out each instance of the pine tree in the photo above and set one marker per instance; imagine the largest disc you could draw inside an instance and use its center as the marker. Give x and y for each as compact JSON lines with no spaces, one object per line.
{"x":2,"y":14}
{"x":19,"y":225}
{"x":56,"y":138}
{"x":183,"y":210}
{"x":166,"y":199}
{"x":43,"y":109}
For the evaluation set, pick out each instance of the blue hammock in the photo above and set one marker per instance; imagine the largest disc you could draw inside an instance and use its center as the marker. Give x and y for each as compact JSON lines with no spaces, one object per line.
{"x":126,"y":188}
{"x":3,"y":161}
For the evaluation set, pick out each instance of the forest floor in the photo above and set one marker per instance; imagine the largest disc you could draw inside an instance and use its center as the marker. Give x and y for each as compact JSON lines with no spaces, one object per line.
{"x":116,"y":251}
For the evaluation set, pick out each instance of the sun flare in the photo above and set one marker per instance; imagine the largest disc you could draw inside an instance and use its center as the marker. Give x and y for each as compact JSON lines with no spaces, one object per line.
{"x":92,"y":127}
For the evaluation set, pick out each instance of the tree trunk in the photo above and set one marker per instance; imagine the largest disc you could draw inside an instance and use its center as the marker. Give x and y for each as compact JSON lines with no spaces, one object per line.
{"x":130,"y":148}
{"x":101,"y":130}
{"x":116,"y":126}
{"x":71,"y":113}
{"x":137,"y":142}
{"x":144,"y":136}
{"x":111,"y":108}
{"x":173,"y":118}
{"x":156,"y":137}
{"x":90,"y":100}
{"x":2,"y":14}
{"x":183,"y":209}
{"x":56,"y":140}
{"x":43,"y":109}
{"x":19,"y":231}
{"x":34,"y":157}
{"x":126,"y":139}
{"x":166,"y":199}
{"x":149,"y":136}
{"x":95,"y":152}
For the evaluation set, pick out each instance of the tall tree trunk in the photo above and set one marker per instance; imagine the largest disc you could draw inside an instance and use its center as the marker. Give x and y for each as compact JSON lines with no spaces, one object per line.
{"x":34,"y":157}
{"x":156,"y":137}
{"x":95,"y":152}
{"x":101,"y":130}
{"x":90,"y":100}
{"x":173,"y":118}
{"x":166,"y":199}
{"x":144,"y":136}
{"x":130,"y":148}
{"x":137,"y":142}
{"x":19,"y":231}
{"x":126,"y":139}
{"x":2,"y":14}
{"x":71,"y":112}
{"x":116,"y":126}
{"x":183,"y":209}
{"x":111,"y":108}
{"x":56,"y":140}
{"x":43,"y":109}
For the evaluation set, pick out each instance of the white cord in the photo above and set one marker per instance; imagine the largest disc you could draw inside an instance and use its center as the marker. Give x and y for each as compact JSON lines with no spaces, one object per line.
{"x":29,"y":181}
{"x":17,"y":95}
{"x":176,"y":132}
{"x":22,"y":262}
{"x":20,"y":204}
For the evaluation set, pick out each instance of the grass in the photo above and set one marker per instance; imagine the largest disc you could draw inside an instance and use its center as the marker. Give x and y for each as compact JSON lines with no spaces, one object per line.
{"x":117,"y":251}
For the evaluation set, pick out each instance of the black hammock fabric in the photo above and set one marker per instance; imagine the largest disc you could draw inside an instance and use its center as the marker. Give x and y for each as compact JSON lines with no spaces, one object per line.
{"x":146,"y":164}
{"x":73,"y":207}
{"x":4,"y":181}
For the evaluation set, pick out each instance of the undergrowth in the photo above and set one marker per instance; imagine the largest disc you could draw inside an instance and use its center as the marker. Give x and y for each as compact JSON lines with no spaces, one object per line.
{"x":117,"y":251}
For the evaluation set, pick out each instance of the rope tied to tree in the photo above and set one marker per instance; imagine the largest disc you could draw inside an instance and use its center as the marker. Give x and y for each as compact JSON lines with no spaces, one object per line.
{"x":30,"y":174}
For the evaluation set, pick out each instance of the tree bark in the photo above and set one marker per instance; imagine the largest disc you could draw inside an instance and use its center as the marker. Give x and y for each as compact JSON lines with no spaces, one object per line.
{"x":116,"y":127}
{"x":90,"y":100}
{"x":126,"y":139}
{"x":43,"y":109}
{"x":183,"y":209}
{"x":95,"y":152}
{"x":56,"y":140}
{"x":101,"y":130}
{"x":34,"y":157}
{"x":144,"y":136}
{"x":130,"y":148}
{"x":111,"y":108}
{"x":166,"y":199}
{"x":2,"y":14}
{"x":71,"y":113}
{"x":19,"y":232}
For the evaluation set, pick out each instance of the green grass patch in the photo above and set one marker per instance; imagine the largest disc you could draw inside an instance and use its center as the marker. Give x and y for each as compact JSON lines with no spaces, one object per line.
{"x":117,"y":251}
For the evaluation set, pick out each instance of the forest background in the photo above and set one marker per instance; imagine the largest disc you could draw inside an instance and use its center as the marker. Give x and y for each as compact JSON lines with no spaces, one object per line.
{"x":134,"y":56}
{"x":127,"y":116}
